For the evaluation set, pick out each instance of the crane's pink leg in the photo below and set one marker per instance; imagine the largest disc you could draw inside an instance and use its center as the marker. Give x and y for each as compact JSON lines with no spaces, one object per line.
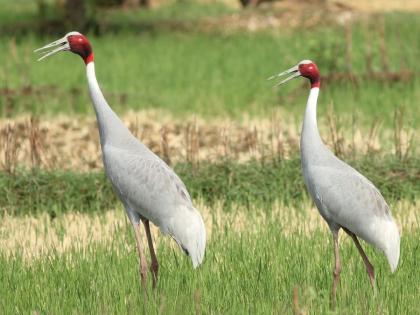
{"x":154,"y":267}
{"x":143,"y":262}
{"x":337,"y":269}
{"x":369,"y":267}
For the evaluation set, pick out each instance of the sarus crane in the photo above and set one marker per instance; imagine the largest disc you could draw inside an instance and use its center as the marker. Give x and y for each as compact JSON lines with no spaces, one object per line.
{"x":345,"y":198}
{"x":148,"y":188}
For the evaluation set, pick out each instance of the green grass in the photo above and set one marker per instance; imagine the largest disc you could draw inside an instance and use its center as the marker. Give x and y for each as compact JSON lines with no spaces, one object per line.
{"x":14,"y":12}
{"x":249,"y":184}
{"x":142,"y":64}
{"x":242,"y":273}
{"x":212,"y":74}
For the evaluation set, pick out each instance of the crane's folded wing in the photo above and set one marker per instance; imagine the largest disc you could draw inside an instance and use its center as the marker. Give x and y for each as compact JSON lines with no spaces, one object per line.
{"x":347,"y":197}
{"x":145,"y":182}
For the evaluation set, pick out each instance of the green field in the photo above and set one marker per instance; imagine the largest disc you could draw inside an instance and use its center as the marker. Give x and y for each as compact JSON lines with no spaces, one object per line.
{"x":214,"y":74}
{"x":66,"y":246}
{"x":248,"y":272}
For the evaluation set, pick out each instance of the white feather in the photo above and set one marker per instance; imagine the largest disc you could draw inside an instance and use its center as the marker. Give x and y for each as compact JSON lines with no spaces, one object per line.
{"x":388,"y":240}
{"x":188,"y":230}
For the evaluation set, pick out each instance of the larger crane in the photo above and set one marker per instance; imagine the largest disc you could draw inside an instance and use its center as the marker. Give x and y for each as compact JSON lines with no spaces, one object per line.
{"x":148,"y":188}
{"x":345,"y":198}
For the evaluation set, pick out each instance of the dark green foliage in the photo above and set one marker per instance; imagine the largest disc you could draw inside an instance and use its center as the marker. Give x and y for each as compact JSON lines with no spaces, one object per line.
{"x":246,"y":184}
{"x":396,"y":179}
{"x":253,"y":183}
{"x":55,"y":192}
{"x":257,"y":182}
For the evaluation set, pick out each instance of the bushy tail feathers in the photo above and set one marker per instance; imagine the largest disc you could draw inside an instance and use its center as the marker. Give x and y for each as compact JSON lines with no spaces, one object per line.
{"x":391,"y":243}
{"x":188,"y":230}
{"x":198,"y":246}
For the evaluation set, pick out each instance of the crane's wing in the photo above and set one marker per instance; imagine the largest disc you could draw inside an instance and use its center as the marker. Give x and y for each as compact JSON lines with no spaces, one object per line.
{"x":347,"y":194}
{"x":346,"y":198}
{"x":145,"y":183}
{"x":150,"y":188}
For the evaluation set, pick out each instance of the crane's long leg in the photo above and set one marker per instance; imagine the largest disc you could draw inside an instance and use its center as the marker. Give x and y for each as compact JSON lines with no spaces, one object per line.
{"x":337,"y":269}
{"x":369,"y":267}
{"x":142,"y":257}
{"x":154,"y":267}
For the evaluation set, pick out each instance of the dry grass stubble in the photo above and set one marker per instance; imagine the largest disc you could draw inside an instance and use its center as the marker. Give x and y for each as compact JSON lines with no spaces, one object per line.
{"x":71,"y":143}
{"x":35,"y":237}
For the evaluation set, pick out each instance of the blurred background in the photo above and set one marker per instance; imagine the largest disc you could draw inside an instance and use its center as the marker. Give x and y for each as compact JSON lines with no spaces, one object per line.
{"x":172,"y":63}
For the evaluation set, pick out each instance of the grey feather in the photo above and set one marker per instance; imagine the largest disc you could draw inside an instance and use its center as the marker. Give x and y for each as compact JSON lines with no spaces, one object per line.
{"x":344,"y":197}
{"x":146,"y":185}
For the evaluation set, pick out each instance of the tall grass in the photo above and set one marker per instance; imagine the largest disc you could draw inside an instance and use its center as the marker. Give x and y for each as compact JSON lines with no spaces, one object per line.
{"x":251,"y":272}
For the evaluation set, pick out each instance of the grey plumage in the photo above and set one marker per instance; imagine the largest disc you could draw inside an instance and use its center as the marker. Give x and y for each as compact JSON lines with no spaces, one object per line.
{"x":149,"y":189}
{"x":343,"y":196}
{"x":146,"y":185}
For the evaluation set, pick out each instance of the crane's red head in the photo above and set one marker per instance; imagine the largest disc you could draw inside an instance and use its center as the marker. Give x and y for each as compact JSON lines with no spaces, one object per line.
{"x":305,"y":68}
{"x":80,"y":45}
{"x":309,"y":70}
{"x":74,"y":42}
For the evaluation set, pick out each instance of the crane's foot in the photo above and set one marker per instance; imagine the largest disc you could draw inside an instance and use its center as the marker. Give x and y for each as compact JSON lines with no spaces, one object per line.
{"x":154,"y":268}
{"x":336,"y":280}
{"x":333,"y":301}
{"x":143,"y":280}
{"x":337,"y":270}
{"x":371,"y":272}
{"x":142,"y":259}
{"x":143,"y":276}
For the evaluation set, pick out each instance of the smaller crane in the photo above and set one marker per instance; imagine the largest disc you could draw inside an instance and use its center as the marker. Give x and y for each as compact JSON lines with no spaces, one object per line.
{"x":345,"y":198}
{"x":148,"y":188}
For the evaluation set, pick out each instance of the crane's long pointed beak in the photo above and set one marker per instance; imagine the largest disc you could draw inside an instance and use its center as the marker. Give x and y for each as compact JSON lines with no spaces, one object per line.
{"x":294,"y":71}
{"x":59,"y":45}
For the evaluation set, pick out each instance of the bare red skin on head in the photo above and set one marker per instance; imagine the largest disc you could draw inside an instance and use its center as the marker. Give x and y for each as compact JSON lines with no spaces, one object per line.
{"x":80,"y":45}
{"x":310,"y":71}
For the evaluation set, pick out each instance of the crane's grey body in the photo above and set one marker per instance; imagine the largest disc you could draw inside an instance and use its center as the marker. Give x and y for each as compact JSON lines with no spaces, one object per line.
{"x":343,"y":196}
{"x":149,"y":189}
{"x":147,"y":186}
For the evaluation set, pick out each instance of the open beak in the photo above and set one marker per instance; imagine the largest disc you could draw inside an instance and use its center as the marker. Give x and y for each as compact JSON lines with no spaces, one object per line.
{"x":59,"y":45}
{"x":294,"y":71}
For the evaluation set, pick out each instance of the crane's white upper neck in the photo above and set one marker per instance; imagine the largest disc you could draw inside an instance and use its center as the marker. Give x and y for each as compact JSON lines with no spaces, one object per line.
{"x":111,"y":128}
{"x":310,"y":141}
{"x":311,"y":106}
{"x":90,"y":72}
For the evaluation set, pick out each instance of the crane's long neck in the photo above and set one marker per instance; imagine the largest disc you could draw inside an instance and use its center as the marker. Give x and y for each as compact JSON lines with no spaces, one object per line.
{"x":111,"y":129}
{"x":311,"y":144}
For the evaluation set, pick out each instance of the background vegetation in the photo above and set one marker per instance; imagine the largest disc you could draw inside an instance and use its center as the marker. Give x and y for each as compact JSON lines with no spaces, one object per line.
{"x":189,"y":78}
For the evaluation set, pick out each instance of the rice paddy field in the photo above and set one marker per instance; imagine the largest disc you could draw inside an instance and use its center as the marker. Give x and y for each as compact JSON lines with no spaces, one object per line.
{"x":189,"y":79}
